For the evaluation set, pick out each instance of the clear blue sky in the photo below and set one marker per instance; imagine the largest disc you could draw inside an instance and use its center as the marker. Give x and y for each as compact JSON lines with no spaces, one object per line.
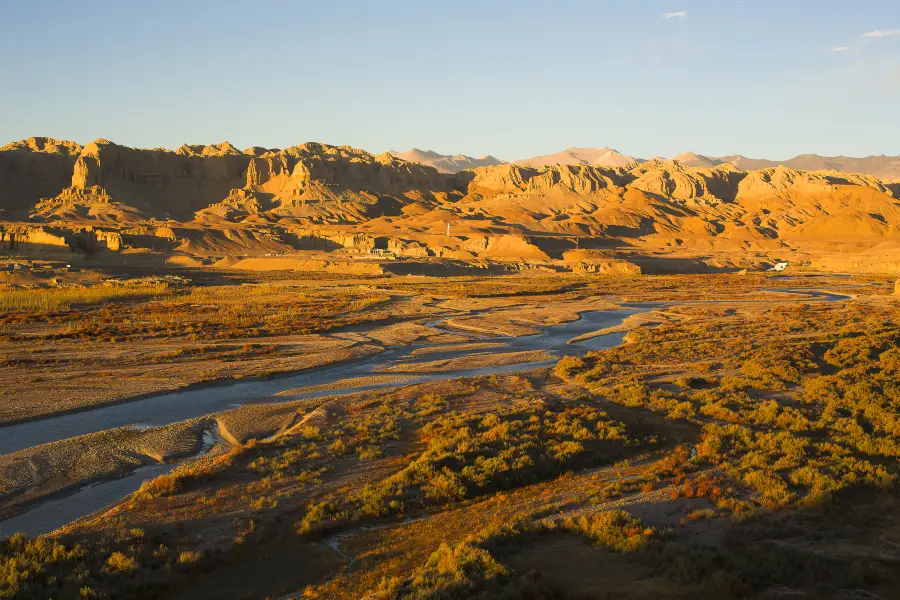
{"x":513,"y":79}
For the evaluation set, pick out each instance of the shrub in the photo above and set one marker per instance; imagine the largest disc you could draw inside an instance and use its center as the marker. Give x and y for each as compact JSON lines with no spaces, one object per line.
{"x":163,"y":485}
{"x":450,"y":572}
{"x":445,"y":486}
{"x":189,"y":557}
{"x":568,"y":367}
{"x":614,"y":528}
{"x":119,"y":562}
{"x":702,"y":513}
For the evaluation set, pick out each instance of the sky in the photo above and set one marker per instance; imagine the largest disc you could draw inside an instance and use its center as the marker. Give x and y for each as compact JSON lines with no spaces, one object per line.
{"x":763,"y":78}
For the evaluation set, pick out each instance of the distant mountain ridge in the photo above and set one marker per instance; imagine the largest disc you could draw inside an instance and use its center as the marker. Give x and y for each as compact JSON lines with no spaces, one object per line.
{"x":884,"y":167}
{"x":447,"y":163}
{"x":600,"y":157}
{"x":217,"y":200}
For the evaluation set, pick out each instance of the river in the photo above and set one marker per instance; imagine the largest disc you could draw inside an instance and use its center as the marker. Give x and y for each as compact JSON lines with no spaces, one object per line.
{"x":164,"y":409}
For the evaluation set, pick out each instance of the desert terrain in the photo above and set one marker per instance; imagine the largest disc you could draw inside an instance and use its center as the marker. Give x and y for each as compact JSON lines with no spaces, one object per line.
{"x":320,"y":373}
{"x":337,"y":209}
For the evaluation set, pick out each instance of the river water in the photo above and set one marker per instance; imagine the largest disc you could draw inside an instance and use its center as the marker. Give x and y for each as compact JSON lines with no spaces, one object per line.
{"x":155,"y":411}
{"x":164,"y":409}
{"x":61,"y":510}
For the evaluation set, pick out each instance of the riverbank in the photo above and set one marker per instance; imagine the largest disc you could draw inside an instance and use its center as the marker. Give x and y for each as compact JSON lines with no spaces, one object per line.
{"x":423,"y":351}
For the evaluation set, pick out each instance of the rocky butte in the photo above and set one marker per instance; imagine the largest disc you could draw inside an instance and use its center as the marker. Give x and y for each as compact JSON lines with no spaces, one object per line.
{"x":319,"y":206}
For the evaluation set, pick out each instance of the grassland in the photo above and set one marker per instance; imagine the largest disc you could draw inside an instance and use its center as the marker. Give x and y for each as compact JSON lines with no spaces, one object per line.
{"x":744,"y":446}
{"x":66,"y":349}
{"x":44,"y":300}
{"x":62,"y":350}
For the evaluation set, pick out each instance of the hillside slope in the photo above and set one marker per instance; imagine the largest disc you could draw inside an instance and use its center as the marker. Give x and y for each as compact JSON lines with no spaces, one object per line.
{"x":218,"y":201}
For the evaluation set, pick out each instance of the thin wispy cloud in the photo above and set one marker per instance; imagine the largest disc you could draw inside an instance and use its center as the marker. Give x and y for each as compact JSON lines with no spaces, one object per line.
{"x":681,"y":14}
{"x":881,"y":33}
{"x":840,"y":48}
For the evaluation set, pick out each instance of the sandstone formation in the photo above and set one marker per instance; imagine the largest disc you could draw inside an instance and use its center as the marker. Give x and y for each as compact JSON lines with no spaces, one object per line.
{"x":15,"y":237}
{"x":33,"y":169}
{"x":203,"y":204}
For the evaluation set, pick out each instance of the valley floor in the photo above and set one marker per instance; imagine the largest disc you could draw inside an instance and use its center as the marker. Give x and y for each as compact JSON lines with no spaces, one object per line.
{"x":724,"y":436}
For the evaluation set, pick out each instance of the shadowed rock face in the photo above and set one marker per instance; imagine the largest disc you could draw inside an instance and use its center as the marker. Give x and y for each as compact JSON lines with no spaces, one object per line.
{"x":162,"y":183}
{"x":40,"y":172}
{"x":158,"y":181}
{"x":33,"y":169}
{"x":656,"y":203}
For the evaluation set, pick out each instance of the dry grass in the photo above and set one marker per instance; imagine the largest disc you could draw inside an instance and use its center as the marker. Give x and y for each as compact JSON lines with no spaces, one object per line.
{"x":62,"y":299}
